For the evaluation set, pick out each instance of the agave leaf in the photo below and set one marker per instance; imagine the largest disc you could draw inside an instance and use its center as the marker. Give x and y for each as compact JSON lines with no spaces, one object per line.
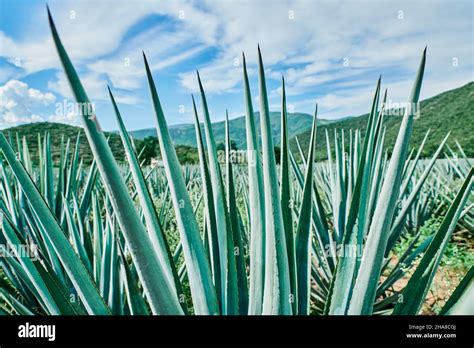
{"x":158,"y":289}
{"x":229,"y":292}
{"x":400,"y":219}
{"x":73,"y":265}
{"x":29,"y":268}
{"x":374,"y":250}
{"x":97,"y":232}
{"x":106,"y":256}
{"x":238,"y":248}
{"x":48,"y":170}
{"x":303,"y":231}
{"x":35,"y":224}
{"x":113,"y":296}
{"x":286,"y":200}
{"x":374,"y":172}
{"x":408,"y":175}
{"x":461,"y":301}
{"x":197,"y":265}
{"x":26,"y":156}
{"x":135,"y":300}
{"x":256,"y":205}
{"x":323,"y":239}
{"x":341,"y":288}
{"x":210,"y":220}
{"x":17,"y":306}
{"x":60,"y":187}
{"x":276,"y":298}
{"x":415,"y":291}
{"x":154,"y":229}
{"x":71,"y":186}
{"x":87,"y":194}
{"x":66,"y":301}
{"x":76,"y":239}
{"x":363,"y":209}
{"x":405,"y":261}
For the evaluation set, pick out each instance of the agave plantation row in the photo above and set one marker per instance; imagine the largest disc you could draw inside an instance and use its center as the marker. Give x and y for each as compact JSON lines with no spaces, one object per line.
{"x":297,"y":238}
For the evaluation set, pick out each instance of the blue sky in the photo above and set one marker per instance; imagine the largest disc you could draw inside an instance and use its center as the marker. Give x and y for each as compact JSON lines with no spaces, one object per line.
{"x":330,"y":52}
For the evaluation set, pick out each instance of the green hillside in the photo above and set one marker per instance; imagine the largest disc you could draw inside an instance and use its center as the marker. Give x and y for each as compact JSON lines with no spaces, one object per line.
{"x":58,"y":130}
{"x":185,"y":134}
{"x":449,"y":111}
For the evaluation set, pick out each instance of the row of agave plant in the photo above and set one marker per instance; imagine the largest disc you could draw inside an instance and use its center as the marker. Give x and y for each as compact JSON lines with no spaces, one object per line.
{"x":297,"y":238}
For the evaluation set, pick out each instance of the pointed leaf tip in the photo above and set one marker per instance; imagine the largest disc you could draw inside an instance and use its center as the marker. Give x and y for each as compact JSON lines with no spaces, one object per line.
{"x":147,"y":66}
{"x":50,"y":19}
{"x":49,"y":12}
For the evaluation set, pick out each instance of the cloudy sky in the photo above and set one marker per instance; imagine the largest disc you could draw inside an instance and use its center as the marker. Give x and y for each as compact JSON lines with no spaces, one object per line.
{"x":330,"y":52}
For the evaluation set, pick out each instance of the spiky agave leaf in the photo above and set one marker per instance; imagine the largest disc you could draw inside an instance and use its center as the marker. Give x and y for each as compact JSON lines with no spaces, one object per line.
{"x":460,"y":302}
{"x":197,"y":264}
{"x":238,"y":248}
{"x":303,"y":230}
{"x":366,"y":282}
{"x":29,"y":268}
{"x":74,"y":267}
{"x":287,"y":201}
{"x":229,"y":292}
{"x":256,"y":205}
{"x":400,"y":219}
{"x":153,"y":225}
{"x":210,"y":213}
{"x":276,"y":298}
{"x":415,"y":291}
{"x":342,"y":281}
{"x":159,"y":290}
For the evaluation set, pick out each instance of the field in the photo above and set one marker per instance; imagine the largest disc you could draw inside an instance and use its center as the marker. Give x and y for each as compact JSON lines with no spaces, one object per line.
{"x":374,"y":229}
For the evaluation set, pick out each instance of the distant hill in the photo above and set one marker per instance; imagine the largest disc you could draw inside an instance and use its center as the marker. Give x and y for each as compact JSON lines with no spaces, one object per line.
{"x":185,"y":134}
{"x":449,"y":111}
{"x":58,"y":130}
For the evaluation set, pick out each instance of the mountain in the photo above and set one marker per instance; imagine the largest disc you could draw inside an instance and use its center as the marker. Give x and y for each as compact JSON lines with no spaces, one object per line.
{"x":185,"y":134}
{"x":451,"y":111}
{"x":31,"y":131}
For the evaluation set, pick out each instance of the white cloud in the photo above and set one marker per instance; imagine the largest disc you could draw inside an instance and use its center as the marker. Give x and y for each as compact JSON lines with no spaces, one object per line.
{"x":305,"y":40}
{"x":357,"y":101}
{"x":310,"y":49}
{"x":17,"y":102}
{"x":95,"y":84}
{"x":222,"y":77}
{"x":89,"y":34}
